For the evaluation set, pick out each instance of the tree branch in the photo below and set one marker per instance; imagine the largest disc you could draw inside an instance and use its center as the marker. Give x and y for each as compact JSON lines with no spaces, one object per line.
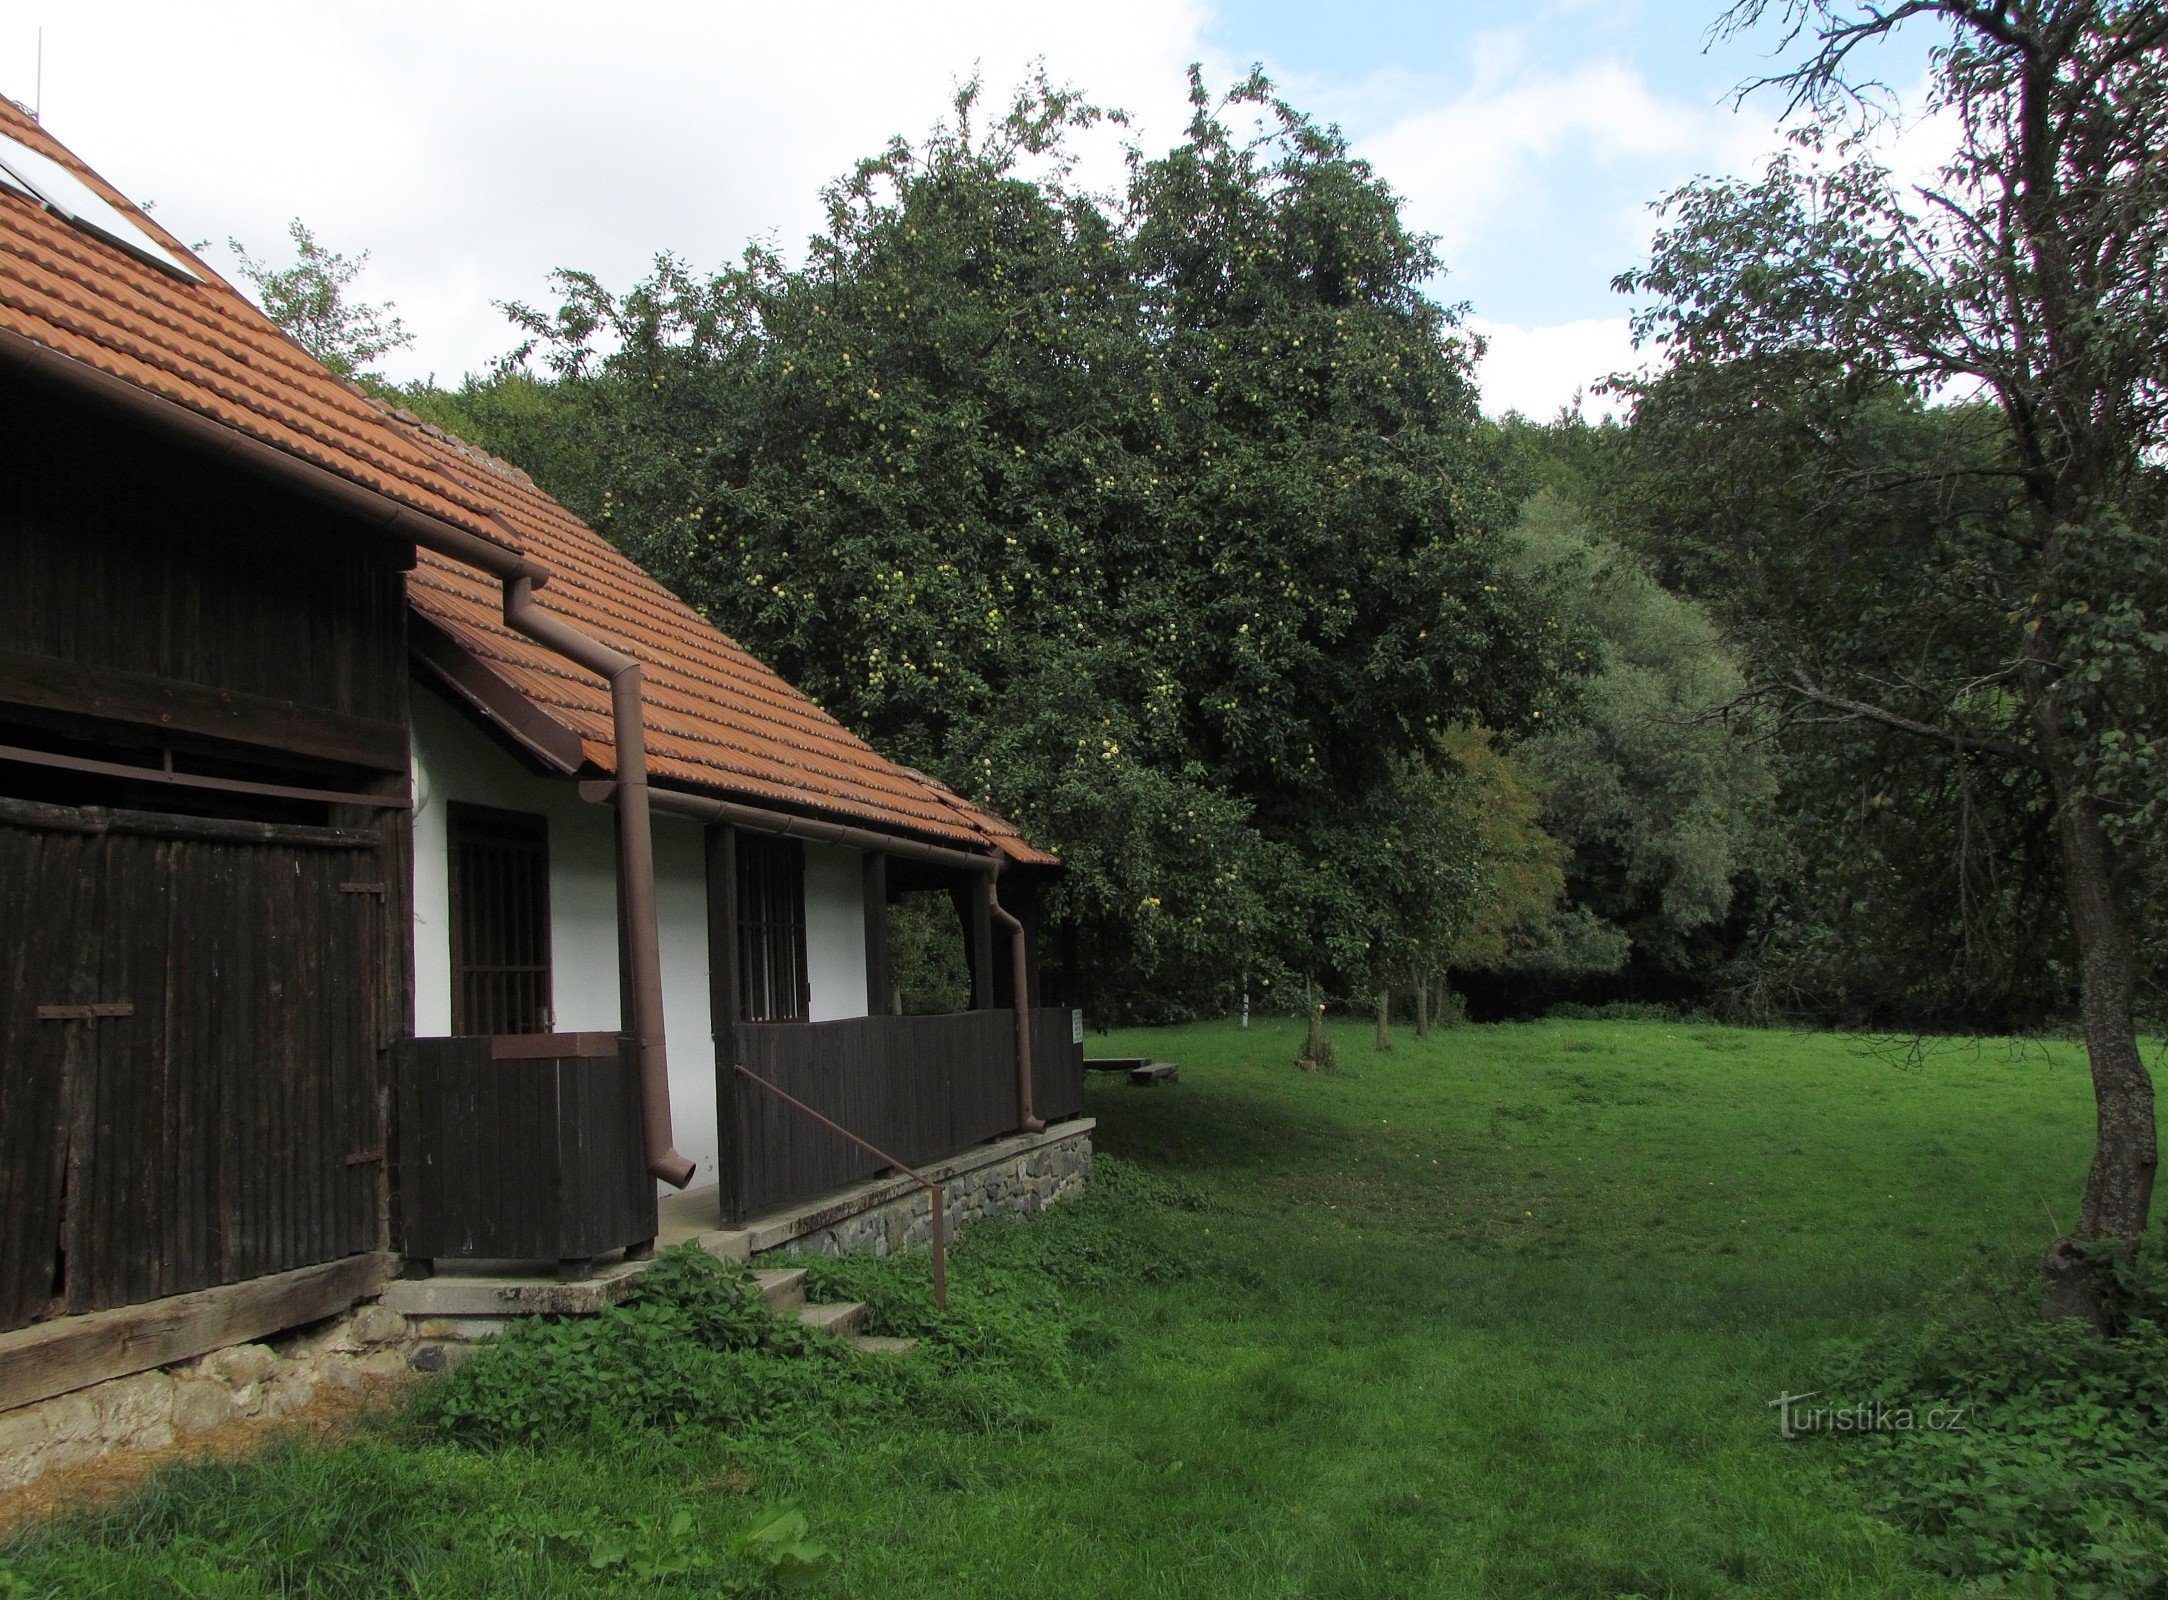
{"x":1962,"y":740}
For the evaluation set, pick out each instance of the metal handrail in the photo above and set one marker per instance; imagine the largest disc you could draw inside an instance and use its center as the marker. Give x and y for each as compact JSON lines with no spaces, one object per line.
{"x":940,"y":1218}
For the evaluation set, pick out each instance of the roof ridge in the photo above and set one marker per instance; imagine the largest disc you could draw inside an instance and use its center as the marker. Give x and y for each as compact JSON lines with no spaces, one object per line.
{"x":464,"y":448}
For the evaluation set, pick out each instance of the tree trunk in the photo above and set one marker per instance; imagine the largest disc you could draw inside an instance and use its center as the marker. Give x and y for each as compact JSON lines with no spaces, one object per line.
{"x":1317,"y":1053}
{"x":1422,"y":1006}
{"x":1383,"y":1039}
{"x":2081,"y":1269}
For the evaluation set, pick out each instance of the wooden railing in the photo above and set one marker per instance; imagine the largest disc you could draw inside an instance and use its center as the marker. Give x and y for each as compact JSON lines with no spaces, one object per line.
{"x":1057,"y":1064}
{"x":522,"y":1147}
{"x":922,"y":1088}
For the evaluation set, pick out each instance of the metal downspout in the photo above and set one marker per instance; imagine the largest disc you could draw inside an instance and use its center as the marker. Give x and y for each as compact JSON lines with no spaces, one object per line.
{"x":1020,"y":983}
{"x":636,"y":861}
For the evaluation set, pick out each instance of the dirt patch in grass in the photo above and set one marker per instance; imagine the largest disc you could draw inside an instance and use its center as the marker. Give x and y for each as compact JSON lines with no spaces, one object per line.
{"x":90,"y":1485}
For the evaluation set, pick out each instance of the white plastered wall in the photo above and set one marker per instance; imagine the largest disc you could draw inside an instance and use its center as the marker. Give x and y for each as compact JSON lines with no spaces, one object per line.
{"x":835,"y":933}
{"x":454,"y":761}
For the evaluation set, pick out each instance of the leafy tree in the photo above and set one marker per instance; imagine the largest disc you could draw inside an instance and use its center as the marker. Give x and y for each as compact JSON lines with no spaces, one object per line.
{"x":309,"y":299}
{"x":1520,"y":866}
{"x":527,"y":420}
{"x":2026,"y":652}
{"x":1166,"y":525}
{"x":1915,"y":887}
{"x":1654,"y":779}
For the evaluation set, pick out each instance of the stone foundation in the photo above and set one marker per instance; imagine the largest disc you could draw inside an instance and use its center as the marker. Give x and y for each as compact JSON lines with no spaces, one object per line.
{"x":149,"y":1410}
{"x":1002,"y":1182}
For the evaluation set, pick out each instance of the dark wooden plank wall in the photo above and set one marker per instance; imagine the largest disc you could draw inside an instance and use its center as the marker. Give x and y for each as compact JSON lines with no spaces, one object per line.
{"x":1057,"y":1064}
{"x":234,"y":1125}
{"x":228,"y":1127}
{"x":919,"y":1088}
{"x":534,"y":1159}
{"x":46,"y":889}
{"x":124,"y":552}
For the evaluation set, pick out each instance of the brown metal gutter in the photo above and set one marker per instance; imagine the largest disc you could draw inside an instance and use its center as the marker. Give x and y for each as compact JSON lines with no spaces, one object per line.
{"x":520,"y":577}
{"x":1020,"y":981}
{"x":758,"y":819}
{"x":636,"y":860}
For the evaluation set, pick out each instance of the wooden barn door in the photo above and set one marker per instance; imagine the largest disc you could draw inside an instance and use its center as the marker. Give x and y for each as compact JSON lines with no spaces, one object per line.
{"x":48,"y":882}
{"x":188,"y":1065}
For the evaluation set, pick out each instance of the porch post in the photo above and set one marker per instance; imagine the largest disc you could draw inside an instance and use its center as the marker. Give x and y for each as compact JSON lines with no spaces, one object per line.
{"x":978,"y":926}
{"x":873,"y":875}
{"x":724,"y":1010}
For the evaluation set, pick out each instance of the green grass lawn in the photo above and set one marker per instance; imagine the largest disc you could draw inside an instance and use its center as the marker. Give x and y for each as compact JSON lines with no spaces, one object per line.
{"x":1497,"y":1315}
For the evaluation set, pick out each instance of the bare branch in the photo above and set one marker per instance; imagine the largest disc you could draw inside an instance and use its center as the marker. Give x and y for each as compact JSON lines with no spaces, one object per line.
{"x":1964,"y":741}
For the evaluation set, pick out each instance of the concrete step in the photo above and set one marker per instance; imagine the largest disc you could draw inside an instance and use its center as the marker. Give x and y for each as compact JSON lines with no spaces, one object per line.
{"x":727,"y":1245}
{"x":1154,"y":1072}
{"x":881,"y":1344}
{"x":782,"y":1289}
{"x":841,"y":1319}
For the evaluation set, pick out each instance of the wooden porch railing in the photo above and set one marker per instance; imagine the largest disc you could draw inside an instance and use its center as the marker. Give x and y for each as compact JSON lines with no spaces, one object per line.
{"x":924,"y":1088}
{"x":522,"y":1147}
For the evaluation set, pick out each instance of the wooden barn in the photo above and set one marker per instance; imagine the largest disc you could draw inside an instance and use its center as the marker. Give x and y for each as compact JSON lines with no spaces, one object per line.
{"x":389,"y":868}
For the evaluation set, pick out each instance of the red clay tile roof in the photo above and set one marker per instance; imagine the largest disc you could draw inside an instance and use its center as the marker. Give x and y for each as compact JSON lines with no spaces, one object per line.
{"x":716,"y":718}
{"x":199,"y":344}
{"x":998,"y":831}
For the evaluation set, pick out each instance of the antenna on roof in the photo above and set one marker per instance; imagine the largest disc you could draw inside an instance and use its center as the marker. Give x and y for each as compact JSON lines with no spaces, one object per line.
{"x":37,"y":95}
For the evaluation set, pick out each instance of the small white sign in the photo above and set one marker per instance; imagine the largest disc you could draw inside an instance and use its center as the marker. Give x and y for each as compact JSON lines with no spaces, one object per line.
{"x":1076,"y":1027}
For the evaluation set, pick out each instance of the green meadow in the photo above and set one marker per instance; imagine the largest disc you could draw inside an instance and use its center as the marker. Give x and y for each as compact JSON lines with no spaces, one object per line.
{"x":1499,"y":1314}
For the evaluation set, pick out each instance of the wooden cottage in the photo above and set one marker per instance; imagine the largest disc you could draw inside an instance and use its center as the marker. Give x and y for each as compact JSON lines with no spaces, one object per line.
{"x":388,"y":866}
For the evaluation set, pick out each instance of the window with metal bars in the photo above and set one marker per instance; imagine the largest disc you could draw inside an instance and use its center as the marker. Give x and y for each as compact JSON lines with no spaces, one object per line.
{"x":500,"y":921}
{"x":771,"y":929}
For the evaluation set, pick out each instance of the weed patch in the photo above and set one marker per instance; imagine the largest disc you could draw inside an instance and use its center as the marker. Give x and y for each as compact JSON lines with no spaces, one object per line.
{"x":2045,"y":1466}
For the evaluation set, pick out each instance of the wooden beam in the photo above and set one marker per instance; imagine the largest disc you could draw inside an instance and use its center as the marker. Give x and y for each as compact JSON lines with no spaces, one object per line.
{"x":49,"y":1358}
{"x":724,"y":1011}
{"x":472,"y":686}
{"x":179,"y":825}
{"x":51,"y":684}
{"x":553,"y":1046}
{"x":978,"y":930}
{"x":873,"y":874}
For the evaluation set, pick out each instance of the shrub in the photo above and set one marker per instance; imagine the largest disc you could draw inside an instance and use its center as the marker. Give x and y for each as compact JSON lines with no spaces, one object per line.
{"x":1023,"y":1295}
{"x":2054,"y":1479}
{"x":1613,"y":1011}
{"x":694,"y":1346}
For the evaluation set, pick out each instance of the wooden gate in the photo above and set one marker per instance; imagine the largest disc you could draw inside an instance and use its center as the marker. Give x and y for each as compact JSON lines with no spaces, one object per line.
{"x":188,"y":1064}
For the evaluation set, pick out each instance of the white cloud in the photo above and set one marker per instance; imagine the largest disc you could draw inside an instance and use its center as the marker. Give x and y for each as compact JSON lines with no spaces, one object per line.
{"x":473,"y":147}
{"x":1465,"y":164}
{"x":1536,"y":371}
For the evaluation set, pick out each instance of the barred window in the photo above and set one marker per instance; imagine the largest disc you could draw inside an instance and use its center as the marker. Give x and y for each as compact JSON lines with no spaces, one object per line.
{"x":771,"y":929}
{"x":500,"y":921}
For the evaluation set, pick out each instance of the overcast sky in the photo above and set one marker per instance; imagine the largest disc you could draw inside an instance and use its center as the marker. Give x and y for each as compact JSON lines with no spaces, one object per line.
{"x":472,"y":147}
